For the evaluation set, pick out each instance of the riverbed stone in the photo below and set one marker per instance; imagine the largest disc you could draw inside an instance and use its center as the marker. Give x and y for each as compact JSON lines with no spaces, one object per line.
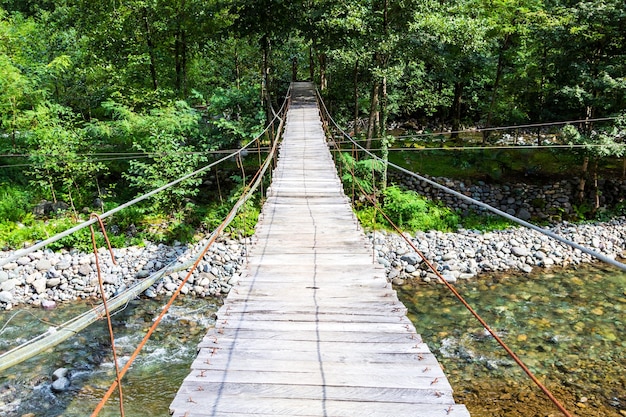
{"x":61,"y":385}
{"x":39,"y":285}
{"x":6,"y":297}
{"x":53,"y":282}
{"x":60,"y":373}
{"x":519,"y":251}
{"x":85,"y":269}
{"x":8,"y":285}
{"x":4,"y":276}
{"x":43,"y":265}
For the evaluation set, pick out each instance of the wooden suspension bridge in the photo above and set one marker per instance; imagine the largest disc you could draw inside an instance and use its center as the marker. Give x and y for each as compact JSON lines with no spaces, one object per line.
{"x":312,"y":328}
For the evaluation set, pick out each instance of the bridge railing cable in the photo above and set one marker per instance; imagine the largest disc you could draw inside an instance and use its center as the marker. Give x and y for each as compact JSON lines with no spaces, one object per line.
{"x":478,"y":203}
{"x":22,"y":252}
{"x":485,"y":325}
{"x":247,"y":194}
{"x":57,"y":334}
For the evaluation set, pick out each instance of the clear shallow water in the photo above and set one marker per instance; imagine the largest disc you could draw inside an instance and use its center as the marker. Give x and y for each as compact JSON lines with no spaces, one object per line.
{"x":148,"y":387}
{"x":567,"y":326}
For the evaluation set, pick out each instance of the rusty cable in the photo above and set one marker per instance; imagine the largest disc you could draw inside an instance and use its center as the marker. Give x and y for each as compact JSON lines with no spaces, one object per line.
{"x":454,"y":291}
{"x":246,"y":194}
{"x":118,"y":376}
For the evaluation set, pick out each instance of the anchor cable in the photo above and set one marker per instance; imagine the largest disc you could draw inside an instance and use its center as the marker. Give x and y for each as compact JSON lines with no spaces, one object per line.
{"x":454,"y":291}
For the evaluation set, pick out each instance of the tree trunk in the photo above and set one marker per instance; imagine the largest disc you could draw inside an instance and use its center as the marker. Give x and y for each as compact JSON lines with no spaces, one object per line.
{"x":294,"y":69}
{"x":596,"y":190}
{"x":383,"y":108}
{"x":178,"y":62}
{"x":456,"y":109}
{"x":323,"y":81}
{"x":371,"y":125}
{"x":496,"y":85}
{"x":311,"y":64}
{"x":237,"y":71}
{"x":153,"y":73}
{"x":184,"y":62}
{"x":356,"y":98}
{"x":265,"y":41}
{"x":583,"y":180}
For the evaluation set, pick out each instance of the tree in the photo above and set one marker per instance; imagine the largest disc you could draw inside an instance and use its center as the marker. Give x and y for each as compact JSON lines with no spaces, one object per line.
{"x":596,"y":145}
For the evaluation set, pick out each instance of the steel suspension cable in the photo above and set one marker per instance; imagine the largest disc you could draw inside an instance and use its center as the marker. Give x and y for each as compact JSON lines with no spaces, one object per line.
{"x":472,"y":311}
{"x":485,"y":206}
{"x":512,"y":127}
{"x":22,"y":252}
{"x":250,"y":189}
{"x":106,"y":307}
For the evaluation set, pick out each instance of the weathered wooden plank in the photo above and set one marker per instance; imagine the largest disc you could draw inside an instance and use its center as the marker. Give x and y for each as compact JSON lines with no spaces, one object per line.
{"x":312,"y":364}
{"x":316,"y":407}
{"x":326,"y":354}
{"x":312,"y":316}
{"x":322,"y":377}
{"x":315,"y":326}
{"x":327,"y":336}
{"x":346,"y":348}
{"x":312,"y":327}
{"x":231,"y":391}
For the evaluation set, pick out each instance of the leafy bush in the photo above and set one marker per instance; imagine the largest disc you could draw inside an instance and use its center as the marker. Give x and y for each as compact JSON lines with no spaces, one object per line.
{"x":14,"y":203}
{"x":410,"y":211}
{"x":358,"y":174}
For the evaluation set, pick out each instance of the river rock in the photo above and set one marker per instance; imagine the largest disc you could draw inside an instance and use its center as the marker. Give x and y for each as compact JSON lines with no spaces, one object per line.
{"x":60,"y":373}
{"x":43,"y":265}
{"x":519,"y":251}
{"x":39,"y":285}
{"x":53,"y":282}
{"x":6,"y":297}
{"x":48,"y":304}
{"x":4,"y":276}
{"x":8,"y":285}
{"x":61,"y":385}
{"x":411,"y":258}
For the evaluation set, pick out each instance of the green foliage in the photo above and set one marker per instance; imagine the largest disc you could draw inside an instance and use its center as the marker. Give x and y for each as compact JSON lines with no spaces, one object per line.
{"x":484,"y":222}
{"x":412,"y":212}
{"x":360,"y":174}
{"x":167,"y":137}
{"x":14,"y":203}
{"x":58,"y":170}
{"x":239,"y":118}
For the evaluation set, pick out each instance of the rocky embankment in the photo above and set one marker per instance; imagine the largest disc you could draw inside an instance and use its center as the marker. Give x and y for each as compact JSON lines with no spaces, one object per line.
{"x":466,"y":254}
{"x":45,"y":278}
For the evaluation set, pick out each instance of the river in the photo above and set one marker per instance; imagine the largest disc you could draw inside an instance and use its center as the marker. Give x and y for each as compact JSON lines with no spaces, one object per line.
{"x":568,"y":326}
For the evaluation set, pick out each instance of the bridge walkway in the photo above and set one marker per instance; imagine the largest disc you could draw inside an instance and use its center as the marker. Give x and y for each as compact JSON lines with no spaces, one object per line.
{"x":312,"y":328}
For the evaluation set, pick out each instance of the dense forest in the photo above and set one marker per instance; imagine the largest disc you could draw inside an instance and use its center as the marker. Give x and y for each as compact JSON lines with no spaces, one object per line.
{"x":100,"y":101}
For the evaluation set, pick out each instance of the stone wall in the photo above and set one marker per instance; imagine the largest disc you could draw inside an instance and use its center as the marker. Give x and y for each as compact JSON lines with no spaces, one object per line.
{"x":550,"y":202}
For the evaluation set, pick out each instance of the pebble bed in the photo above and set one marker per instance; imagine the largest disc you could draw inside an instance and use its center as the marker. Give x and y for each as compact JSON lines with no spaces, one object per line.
{"x":45,"y":278}
{"x":468,"y":253}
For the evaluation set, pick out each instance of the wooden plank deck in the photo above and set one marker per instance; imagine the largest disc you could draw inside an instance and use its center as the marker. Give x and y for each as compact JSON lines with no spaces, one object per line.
{"x":312,"y":328}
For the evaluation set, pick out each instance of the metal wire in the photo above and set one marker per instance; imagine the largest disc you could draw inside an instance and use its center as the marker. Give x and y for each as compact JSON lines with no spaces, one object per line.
{"x":106,"y":307}
{"x":512,"y":218}
{"x":454,"y":291}
{"x":248,"y":192}
{"x":22,"y":252}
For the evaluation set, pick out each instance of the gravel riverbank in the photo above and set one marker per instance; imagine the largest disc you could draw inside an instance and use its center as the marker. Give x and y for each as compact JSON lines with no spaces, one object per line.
{"x":45,"y":277}
{"x":468,"y":253}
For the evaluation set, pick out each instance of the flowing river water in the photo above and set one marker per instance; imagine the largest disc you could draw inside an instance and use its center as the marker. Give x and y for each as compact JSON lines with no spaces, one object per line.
{"x":568,"y":326}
